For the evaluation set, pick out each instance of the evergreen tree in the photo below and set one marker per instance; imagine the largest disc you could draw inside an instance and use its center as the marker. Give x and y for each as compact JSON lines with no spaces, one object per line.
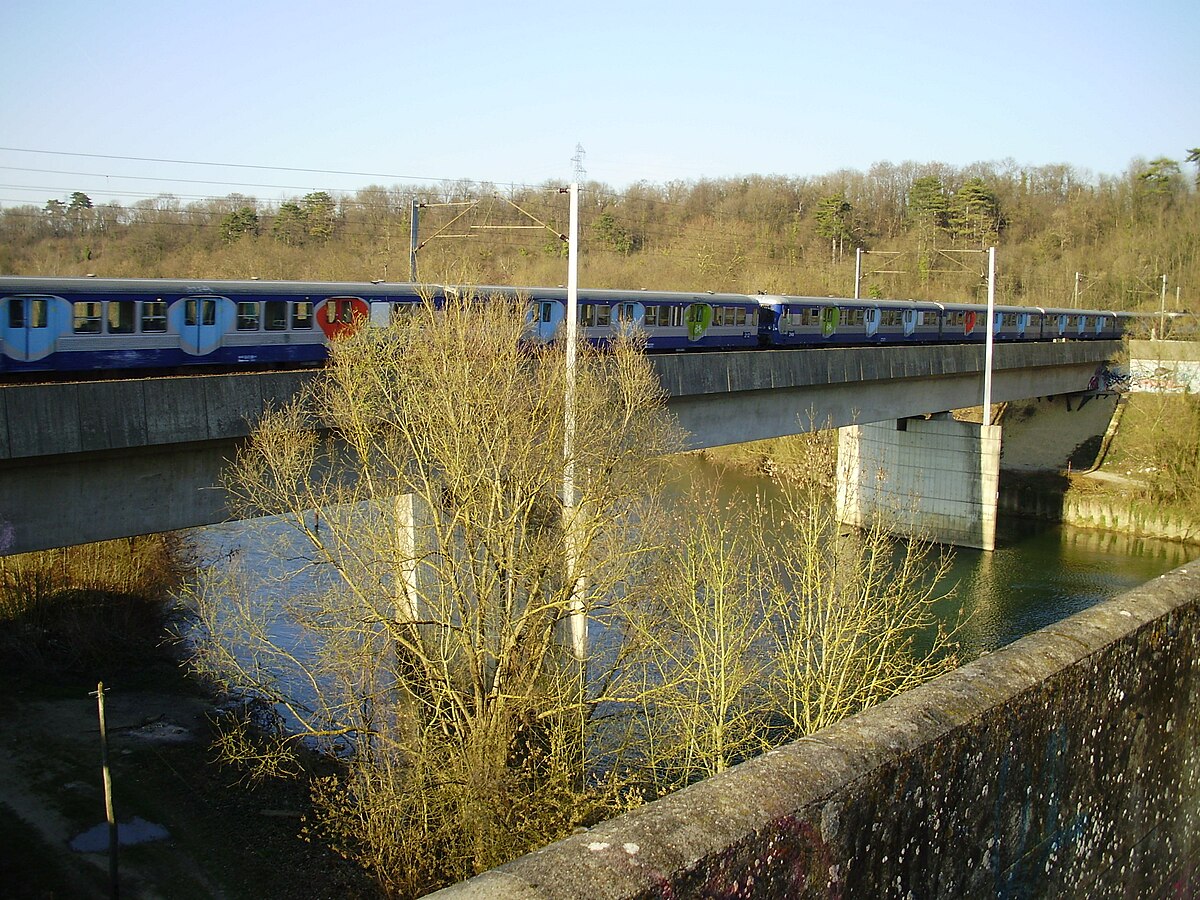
{"x":79,"y":212}
{"x":834,"y":222}
{"x":320,"y":215}
{"x":289,"y":227}
{"x":928,"y":207}
{"x":1194,"y":158}
{"x":974,"y":212}
{"x":611,"y":235}
{"x":241,"y":221}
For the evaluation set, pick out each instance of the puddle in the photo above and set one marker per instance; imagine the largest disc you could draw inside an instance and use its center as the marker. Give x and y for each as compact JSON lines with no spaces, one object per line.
{"x":136,"y":831}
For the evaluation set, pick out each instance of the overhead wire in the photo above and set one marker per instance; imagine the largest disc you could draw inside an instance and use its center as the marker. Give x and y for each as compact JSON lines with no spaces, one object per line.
{"x":650,"y":232}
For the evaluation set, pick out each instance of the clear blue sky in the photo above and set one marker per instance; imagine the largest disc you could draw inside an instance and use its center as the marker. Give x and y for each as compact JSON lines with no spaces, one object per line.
{"x":504,"y":92}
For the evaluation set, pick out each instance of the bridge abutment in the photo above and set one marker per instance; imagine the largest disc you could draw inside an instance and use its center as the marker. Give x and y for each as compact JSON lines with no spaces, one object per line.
{"x":937,"y":477}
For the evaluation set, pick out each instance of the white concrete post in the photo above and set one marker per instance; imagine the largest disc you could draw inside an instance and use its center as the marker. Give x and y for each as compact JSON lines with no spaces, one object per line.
{"x":991,"y":327}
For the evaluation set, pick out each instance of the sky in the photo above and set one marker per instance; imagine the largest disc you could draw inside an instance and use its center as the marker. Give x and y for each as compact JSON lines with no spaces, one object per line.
{"x":133,"y":98}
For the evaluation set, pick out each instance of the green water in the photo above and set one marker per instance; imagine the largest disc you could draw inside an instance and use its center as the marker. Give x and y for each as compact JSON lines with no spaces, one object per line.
{"x":1039,"y":573}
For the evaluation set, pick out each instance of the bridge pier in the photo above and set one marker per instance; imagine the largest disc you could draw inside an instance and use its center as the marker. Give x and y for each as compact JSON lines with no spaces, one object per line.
{"x":938,"y":477}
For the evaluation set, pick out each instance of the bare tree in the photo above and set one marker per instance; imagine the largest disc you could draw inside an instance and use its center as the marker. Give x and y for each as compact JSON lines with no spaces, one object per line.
{"x":409,"y":616}
{"x":409,"y":620}
{"x":771,"y":625}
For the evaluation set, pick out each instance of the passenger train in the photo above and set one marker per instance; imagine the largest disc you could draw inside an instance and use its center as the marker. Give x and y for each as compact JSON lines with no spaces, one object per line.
{"x":77,"y":325}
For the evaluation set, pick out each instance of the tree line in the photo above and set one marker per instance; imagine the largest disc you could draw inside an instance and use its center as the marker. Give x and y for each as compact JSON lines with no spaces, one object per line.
{"x":1063,"y":237}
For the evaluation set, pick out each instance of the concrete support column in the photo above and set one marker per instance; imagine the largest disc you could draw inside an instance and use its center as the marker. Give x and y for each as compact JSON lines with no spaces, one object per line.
{"x":937,"y":477}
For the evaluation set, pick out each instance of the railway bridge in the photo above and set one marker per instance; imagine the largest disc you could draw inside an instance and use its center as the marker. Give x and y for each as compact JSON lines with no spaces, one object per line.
{"x":88,"y":461}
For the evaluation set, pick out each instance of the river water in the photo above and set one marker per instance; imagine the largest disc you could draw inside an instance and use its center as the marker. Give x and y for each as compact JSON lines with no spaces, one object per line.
{"x":1039,"y":574}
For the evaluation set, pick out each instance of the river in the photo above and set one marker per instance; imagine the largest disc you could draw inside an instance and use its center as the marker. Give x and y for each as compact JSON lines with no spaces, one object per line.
{"x":1039,"y":573}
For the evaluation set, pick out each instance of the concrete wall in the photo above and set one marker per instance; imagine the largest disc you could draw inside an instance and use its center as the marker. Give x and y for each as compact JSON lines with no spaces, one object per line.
{"x":1164,"y":367}
{"x":938,"y":476}
{"x":1065,"y":765}
{"x":86,"y":461}
{"x":731,"y":398}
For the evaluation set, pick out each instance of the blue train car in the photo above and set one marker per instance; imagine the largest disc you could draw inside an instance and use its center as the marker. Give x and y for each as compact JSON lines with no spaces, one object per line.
{"x":65,"y":324}
{"x":667,"y":321}
{"x":70,"y":325}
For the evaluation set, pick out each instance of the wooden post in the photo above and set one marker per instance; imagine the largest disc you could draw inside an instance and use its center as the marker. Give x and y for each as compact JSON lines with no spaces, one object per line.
{"x":113,"y":883}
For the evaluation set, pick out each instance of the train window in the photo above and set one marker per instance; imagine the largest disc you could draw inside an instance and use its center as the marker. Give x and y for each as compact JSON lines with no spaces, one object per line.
{"x":547,"y":311}
{"x":302,"y":315}
{"x":87,"y":316}
{"x":200,"y":311}
{"x":625,"y":313}
{"x":35,"y":306}
{"x":121,"y":317}
{"x":275,"y":315}
{"x":154,"y":316}
{"x":247,"y":316}
{"x":597,"y":314}
{"x":856,"y":317}
{"x":650,"y":320}
{"x":401,"y":312}
{"x":339,"y":309}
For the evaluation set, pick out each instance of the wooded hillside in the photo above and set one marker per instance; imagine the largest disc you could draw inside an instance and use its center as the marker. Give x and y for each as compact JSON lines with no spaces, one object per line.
{"x":1062,"y":235}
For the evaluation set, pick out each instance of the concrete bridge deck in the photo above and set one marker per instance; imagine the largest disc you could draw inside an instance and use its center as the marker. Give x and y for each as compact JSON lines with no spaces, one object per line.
{"x":90,"y":461}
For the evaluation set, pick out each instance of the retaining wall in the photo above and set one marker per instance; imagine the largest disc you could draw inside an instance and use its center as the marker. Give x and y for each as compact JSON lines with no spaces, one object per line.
{"x":1065,"y":765}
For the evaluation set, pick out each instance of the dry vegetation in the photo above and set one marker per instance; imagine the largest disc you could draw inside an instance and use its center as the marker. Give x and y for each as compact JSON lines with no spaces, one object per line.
{"x":421,"y":629}
{"x":1058,"y":231}
{"x":87,"y":608}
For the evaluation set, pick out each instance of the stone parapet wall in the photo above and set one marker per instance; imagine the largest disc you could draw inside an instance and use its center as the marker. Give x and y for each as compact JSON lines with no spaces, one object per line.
{"x":1063,"y":765}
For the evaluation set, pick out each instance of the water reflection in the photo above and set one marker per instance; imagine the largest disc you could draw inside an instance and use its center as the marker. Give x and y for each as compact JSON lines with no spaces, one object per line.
{"x":1039,"y":574}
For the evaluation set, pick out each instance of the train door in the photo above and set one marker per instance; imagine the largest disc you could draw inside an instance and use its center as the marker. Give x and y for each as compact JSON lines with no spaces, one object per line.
{"x":339,"y":316}
{"x":872,"y":321}
{"x":909,"y":319}
{"x":201,"y":320}
{"x":698,"y":317}
{"x":629,"y":317}
{"x":31,"y":324}
{"x":547,"y":316}
{"x":830,"y":316}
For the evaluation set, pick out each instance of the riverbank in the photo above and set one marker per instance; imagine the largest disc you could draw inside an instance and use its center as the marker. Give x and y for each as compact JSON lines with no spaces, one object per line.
{"x":68,"y":620}
{"x":213,"y":836}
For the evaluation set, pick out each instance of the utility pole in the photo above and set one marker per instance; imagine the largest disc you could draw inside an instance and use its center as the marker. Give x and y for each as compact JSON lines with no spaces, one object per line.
{"x":991,"y":327}
{"x":858,"y":252}
{"x":1162,"y":310}
{"x":578,"y":619}
{"x":412,"y":243}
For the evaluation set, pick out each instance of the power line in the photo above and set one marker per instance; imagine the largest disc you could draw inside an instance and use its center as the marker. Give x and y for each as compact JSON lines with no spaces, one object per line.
{"x":193,"y":162}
